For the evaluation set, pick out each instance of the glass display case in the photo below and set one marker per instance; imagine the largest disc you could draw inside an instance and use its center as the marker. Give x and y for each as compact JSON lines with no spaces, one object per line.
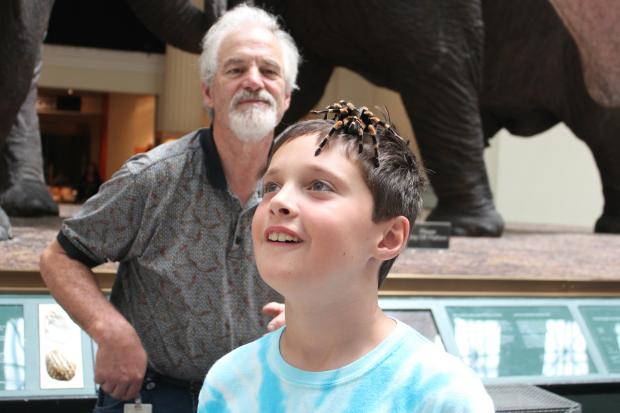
{"x":522,"y":340}
{"x":43,"y":353}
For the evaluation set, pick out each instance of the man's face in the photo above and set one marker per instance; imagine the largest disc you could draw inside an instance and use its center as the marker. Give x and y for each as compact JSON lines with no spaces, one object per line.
{"x":313,"y":231}
{"x":248,"y":92}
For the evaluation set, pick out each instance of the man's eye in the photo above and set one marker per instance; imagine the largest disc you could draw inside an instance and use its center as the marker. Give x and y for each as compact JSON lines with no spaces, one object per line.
{"x":320,"y":186}
{"x":270,"y":187}
{"x":234,"y":71}
{"x":270,"y":73}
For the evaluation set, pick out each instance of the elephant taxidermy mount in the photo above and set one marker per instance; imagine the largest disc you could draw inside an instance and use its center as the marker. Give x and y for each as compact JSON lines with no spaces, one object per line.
{"x":464,"y":71}
{"x":453,"y":64}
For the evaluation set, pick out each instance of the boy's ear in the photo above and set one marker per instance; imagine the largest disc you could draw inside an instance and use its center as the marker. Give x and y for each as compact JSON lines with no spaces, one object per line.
{"x":395,"y":238}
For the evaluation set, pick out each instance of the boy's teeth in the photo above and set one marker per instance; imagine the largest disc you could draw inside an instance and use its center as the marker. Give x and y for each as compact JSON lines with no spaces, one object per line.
{"x":281,"y":237}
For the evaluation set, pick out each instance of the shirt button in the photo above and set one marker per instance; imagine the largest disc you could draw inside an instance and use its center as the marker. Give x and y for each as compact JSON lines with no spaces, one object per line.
{"x":150,"y":385}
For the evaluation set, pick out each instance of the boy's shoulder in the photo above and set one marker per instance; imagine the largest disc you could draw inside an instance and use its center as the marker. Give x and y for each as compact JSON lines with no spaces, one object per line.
{"x":442,"y":379}
{"x":430,"y":358}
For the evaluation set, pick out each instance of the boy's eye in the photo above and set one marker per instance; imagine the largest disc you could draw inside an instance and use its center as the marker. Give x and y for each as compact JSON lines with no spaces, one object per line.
{"x":270,"y":187}
{"x":320,"y":186}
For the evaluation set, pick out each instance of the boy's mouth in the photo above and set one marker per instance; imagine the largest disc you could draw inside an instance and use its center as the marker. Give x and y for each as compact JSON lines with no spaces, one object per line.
{"x":282,"y":237}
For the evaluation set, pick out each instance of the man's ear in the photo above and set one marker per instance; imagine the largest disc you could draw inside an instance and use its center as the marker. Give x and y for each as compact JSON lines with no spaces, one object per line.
{"x":287,"y":100}
{"x":395,"y":238}
{"x":207,"y":99}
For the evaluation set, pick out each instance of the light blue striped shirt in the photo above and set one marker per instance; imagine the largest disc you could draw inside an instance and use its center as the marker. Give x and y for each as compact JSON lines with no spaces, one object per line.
{"x":405,"y":373}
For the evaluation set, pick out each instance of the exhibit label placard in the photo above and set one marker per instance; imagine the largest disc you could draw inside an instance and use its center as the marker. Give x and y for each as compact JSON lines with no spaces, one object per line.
{"x":498,"y":341}
{"x":60,"y":349}
{"x":604,"y":325}
{"x":430,"y":235}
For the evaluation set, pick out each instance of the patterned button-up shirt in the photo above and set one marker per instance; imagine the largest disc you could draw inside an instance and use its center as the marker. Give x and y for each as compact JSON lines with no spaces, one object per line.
{"x":187,"y":280}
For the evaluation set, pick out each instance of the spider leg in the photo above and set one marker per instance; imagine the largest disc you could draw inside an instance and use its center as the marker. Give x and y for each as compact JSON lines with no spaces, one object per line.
{"x":323,"y":143}
{"x":360,"y":144}
{"x":321,"y":112}
{"x":373,"y":132}
{"x":385,"y":125}
{"x":347,"y":125}
{"x":336,"y":126}
{"x":359,"y":127}
{"x":375,"y":144}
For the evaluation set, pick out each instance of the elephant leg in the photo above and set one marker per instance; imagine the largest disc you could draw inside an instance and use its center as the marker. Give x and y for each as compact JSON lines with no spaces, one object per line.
{"x":5,"y":227}
{"x":449,"y":134}
{"x":609,"y":221}
{"x":312,"y":79}
{"x":24,"y":192}
{"x":599,"y":129}
{"x":22,"y":28}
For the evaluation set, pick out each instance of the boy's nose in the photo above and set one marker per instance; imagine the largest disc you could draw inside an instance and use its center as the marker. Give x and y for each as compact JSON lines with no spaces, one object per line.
{"x":284,"y":211}
{"x":282,"y":205}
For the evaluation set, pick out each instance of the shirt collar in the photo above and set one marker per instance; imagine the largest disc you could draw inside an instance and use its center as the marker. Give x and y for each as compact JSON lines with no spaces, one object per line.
{"x":213,"y":163}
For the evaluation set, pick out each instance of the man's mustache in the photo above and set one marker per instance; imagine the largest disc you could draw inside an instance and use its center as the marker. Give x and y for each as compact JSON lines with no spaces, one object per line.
{"x":262,"y":95}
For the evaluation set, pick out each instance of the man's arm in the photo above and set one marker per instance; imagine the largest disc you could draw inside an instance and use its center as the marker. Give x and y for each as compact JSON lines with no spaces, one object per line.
{"x":121,"y":360}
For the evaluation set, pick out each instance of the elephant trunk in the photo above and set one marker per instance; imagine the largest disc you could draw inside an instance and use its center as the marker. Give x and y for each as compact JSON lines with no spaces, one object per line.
{"x":176,"y":22}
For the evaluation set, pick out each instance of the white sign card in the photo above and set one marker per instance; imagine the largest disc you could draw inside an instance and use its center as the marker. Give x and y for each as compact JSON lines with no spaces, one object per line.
{"x":60,"y":349}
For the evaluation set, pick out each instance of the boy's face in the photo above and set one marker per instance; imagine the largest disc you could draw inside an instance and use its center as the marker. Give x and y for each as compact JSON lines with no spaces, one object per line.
{"x":314,"y":230}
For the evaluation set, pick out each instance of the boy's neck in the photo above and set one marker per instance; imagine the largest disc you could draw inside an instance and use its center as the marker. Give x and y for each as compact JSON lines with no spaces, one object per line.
{"x":332,"y":337}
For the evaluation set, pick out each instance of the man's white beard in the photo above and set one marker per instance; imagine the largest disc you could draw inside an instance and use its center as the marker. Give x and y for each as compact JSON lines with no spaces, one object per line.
{"x":255,"y":122}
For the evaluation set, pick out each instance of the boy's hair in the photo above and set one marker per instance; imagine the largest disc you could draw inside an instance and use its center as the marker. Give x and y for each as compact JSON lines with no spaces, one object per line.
{"x":240,"y":18}
{"x":396,"y":184}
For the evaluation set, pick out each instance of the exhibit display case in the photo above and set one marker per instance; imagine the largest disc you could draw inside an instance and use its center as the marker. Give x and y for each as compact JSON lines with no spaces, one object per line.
{"x":43,"y":353}
{"x":522,"y":340}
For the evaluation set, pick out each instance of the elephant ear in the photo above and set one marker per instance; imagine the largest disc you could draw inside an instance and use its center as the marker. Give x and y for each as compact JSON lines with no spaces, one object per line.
{"x":595,"y":27}
{"x":177,"y":22}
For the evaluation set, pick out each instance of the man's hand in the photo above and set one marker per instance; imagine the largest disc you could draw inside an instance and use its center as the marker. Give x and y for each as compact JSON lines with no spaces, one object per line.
{"x":275,"y":310}
{"x":121,"y":363}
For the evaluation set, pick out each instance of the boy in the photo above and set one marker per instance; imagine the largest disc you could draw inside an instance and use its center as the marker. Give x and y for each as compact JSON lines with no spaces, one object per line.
{"x":335,"y":215}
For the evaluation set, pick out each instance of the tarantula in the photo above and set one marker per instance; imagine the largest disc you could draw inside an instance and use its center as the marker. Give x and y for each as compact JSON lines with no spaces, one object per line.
{"x":353,"y":120}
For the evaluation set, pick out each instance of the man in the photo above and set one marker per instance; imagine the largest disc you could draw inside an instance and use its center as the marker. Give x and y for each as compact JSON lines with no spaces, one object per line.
{"x":178,"y":221}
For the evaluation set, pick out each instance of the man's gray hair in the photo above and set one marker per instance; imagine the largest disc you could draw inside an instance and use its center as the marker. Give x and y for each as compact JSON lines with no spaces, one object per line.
{"x":241,"y":17}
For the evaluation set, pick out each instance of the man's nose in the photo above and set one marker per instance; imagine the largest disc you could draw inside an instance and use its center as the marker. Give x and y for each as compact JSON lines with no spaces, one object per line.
{"x":253,"y":79}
